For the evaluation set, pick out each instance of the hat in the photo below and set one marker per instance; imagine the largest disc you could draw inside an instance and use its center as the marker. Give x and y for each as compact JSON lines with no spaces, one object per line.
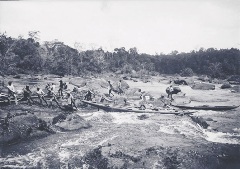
{"x":60,"y":80}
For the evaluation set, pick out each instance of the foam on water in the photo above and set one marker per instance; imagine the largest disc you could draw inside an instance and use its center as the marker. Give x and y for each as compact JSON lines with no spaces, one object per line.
{"x":220,"y":137}
{"x":192,"y":130}
{"x":236,"y":130}
{"x":25,"y":161}
{"x":184,"y":127}
{"x":130,"y":118}
{"x":208,"y":112}
{"x":81,"y":140}
{"x":116,"y":117}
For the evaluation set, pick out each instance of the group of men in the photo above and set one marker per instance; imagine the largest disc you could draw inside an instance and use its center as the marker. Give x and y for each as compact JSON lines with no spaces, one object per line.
{"x":89,"y":93}
{"x":27,"y":95}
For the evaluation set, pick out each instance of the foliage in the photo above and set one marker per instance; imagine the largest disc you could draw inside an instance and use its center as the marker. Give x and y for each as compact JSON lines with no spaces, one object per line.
{"x":187,"y":72}
{"x":28,"y":56}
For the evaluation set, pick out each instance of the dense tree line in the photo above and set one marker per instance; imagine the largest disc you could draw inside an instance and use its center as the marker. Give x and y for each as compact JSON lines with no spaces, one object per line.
{"x":29,"y":56}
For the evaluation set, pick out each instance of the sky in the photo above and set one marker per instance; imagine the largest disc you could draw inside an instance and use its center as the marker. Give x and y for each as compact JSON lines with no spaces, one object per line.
{"x":153,"y":26}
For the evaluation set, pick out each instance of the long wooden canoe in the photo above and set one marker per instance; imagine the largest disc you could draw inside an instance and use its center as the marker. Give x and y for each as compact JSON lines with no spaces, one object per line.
{"x":207,"y":107}
{"x":109,"y":108}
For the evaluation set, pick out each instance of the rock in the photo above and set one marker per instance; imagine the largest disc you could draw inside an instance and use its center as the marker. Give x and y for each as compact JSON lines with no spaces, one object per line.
{"x":162,"y":101}
{"x":176,"y":90}
{"x":226,"y":86}
{"x":143,"y":117}
{"x":200,"y":121}
{"x":126,"y":78}
{"x":19,"y":127}
{"x":203,"y":86}
{"x":204,"y":78}
{"x":133,"y":91}
{"x":73,"y":122}
{"x":181,"y":100}
{"x":124,"y":85}
{"x":236,"y":89}
{"x":135,"y":75}
{"x":180,"y":82}
{"x":17,"y":77}
{"x":59,"y":118}
{"x":209,"y":119}
{"x":235,"y":79}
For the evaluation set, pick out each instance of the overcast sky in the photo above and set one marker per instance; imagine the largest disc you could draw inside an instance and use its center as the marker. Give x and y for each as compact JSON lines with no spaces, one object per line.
{"x":151,"y":26}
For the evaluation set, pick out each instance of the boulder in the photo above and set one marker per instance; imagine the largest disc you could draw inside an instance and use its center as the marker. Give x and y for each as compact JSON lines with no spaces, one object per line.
{"x":181,"y":100}
{"x":161,"y":102}
{"x":180,"y":82}
{"x":203,"y":86}
{"x":135,"y":75}
{"x":126,"y":78}
{"x":226,"y":86}
{"x":204,"y":78}
{"x":235,"y":79}
{"x":176,"y":90}
{"x":125,"y":86}
{"x":235,"y":89}
{"x":200,"y":121}
{"x":134,"y":93}
{"x":20,"y":126}
{"x":17,"y":77}
{"x":73,"y":122}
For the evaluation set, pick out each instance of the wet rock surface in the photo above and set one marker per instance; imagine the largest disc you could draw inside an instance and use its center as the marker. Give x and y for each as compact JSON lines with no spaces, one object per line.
{"x":226,"y":86}
{"x":203,"y":86}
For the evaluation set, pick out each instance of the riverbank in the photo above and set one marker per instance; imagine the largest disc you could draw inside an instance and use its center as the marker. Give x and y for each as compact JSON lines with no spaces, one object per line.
{"x":127,"y":140}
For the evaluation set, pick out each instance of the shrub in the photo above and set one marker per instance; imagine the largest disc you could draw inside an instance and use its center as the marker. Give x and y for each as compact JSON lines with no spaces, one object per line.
{"x":187,"y":72}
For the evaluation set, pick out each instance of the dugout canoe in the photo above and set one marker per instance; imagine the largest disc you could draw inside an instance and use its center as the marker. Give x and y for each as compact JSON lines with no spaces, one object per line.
{"x":207,"y":107}
{"x":109,"y":108}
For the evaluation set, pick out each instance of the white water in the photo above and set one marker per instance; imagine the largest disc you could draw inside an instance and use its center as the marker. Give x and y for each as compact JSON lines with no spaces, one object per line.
{"x":27,"y":160}
{"x":188,"y":128}
{"x":192,"y":130}
{"x":116,"y":117}
{"x":93,"y":138}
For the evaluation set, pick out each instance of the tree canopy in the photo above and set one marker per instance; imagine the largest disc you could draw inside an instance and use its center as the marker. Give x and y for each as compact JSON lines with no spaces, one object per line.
{"x":29,"y":56}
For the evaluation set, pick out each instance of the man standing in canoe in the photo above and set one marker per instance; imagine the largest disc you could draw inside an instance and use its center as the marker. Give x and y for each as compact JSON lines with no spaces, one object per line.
{"x":11,"y":92}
